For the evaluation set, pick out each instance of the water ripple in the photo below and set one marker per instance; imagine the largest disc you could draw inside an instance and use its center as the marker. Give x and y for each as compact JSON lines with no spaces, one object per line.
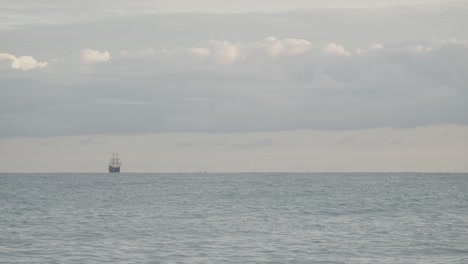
{"x":213,"y":218}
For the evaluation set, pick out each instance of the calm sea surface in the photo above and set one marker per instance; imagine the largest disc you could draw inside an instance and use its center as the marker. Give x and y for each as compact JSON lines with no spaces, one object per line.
{"x":216,"y":218}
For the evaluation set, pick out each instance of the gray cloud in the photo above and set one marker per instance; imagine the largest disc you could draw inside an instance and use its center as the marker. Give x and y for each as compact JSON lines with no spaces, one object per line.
{"x":135,"y":68}
{"x":222,"y":86}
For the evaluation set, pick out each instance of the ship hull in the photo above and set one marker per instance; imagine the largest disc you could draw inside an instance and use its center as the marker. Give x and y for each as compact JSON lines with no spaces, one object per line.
{"x":114,"y":169}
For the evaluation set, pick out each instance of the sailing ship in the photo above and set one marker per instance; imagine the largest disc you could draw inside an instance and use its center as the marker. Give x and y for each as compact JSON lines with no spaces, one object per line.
{"x":114,"y":164}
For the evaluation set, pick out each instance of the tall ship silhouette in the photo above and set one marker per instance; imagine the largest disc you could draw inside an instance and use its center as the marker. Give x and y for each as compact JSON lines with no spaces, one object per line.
{"x":114,"y":164}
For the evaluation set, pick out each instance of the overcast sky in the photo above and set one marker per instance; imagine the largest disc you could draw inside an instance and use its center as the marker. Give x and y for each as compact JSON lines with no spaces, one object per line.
{"x":242,"y":86}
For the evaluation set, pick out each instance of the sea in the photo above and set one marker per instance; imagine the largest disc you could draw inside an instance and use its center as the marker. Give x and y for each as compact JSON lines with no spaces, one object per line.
{"x":234,"y":218}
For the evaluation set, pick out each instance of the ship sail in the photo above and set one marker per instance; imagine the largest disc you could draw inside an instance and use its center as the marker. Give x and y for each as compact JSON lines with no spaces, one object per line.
{"x":114,"y":164}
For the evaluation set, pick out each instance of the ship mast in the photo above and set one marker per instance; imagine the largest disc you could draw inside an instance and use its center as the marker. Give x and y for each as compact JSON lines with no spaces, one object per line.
{"x":115,"y":161}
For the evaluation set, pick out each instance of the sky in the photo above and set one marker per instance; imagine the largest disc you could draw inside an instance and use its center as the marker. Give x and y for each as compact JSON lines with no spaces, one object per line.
{"x":186,"y":86}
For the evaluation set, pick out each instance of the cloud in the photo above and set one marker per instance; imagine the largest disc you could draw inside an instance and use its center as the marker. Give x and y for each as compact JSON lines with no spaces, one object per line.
{"x":289,"y":46}
{"x":333,"y":48}
{"x":244,"y":86}
{"x":372,"y":47}
{"x":22,"y":62}
{"x":89,"y":56}
{"x":229,"y":52}
{"x":376,"y":46}
{"x":225,"y":51}
{"x":201,"y":52}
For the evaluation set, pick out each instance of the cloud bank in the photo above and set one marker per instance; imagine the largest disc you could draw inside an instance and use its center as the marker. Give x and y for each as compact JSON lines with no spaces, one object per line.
{"x":230,"y":86}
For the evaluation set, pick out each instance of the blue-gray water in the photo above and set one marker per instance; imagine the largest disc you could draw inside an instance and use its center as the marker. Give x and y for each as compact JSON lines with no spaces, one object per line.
{"x":216,"y":218}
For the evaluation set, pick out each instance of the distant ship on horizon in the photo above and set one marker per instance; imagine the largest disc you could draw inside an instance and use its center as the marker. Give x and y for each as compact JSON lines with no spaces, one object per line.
{"x":114,"y":164}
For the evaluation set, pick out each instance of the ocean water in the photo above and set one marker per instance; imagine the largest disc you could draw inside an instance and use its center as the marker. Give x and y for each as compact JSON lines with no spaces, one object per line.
{"x":238,"y":218}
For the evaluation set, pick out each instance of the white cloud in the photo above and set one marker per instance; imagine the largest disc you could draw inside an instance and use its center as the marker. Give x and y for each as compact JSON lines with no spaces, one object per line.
{"x":226,"y":52}
{"x":426,"y":46}
{"x":22,"y":62}
{"x":376,"y":46}
{"x":420,"y":49}
{"x":201,"y":52}
{"x":229,"y":52}
{"x":372,"y":47}
{"x":289,"y":46}
{"x":333,"y":48}
{"x":89,"y":56}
